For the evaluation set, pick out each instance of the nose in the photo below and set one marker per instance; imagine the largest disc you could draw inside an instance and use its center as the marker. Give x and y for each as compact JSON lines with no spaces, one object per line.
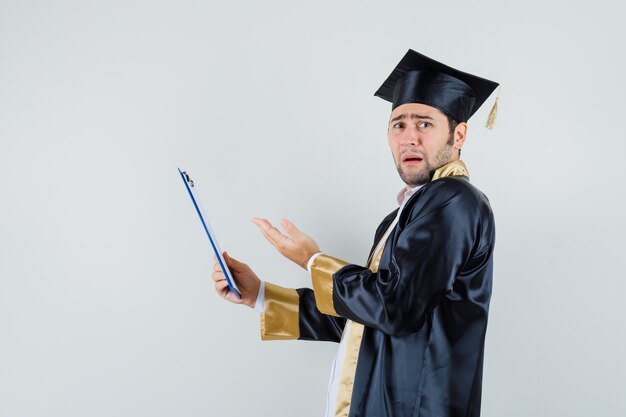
{"x":409,"y":137}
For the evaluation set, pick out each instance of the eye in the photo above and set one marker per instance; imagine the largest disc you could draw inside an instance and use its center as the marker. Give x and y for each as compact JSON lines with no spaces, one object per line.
{"x":398,"y":125}
{"x":424,"y":125}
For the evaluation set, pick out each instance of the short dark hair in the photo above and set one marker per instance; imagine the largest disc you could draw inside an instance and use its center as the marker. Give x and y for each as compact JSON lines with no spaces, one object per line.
{"x":452,"y":122}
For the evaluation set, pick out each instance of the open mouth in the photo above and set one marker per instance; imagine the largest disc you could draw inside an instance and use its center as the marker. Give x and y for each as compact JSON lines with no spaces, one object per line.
{"x":411,"y":159}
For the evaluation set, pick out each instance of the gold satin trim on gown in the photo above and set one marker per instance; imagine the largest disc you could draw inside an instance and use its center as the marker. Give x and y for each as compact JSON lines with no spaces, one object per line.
{"x":348,"y":372}
{"x":322,"y":271}
{"x":452,"y":169}
{"x":355,"y":334}
{"x":279,"y":320}
{"x":351,"y":358}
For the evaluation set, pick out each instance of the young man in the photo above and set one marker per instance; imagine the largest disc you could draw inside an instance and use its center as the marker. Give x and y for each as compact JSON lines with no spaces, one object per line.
{"x":411,"y":324}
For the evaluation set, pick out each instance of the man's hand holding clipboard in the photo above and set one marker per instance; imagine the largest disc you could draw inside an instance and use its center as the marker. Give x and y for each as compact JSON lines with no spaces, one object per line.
{"x":230,"y":290}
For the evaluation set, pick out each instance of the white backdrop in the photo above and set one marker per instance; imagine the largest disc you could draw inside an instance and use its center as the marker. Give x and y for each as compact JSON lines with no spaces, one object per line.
{"x":106,"y":302}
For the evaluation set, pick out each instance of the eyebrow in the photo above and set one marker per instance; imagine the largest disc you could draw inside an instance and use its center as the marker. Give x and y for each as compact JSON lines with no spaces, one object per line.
{"x":411,"y":116}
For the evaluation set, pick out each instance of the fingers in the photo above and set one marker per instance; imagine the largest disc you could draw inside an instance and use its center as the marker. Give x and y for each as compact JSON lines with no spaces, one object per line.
{"x":291,"y":229}
{"x":216,"y":265}
{"x":224,"y":291}
{"x":272,"y":234}
{"x":262,"y":223}
{"x":221,"y":286}
{"x":263,"y":226}
{"x":269,"y":232}
{"x":218,"y":276}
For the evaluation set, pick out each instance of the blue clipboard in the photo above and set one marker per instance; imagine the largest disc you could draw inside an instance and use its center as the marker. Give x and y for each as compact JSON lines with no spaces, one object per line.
{"x":209,"y":232}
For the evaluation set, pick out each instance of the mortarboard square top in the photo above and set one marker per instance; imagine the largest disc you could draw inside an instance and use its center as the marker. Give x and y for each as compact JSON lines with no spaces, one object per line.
{"x":420,"y":79}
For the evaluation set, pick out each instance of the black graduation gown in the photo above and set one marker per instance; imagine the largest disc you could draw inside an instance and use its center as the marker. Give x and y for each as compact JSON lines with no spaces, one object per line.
{"x":424,"y":310}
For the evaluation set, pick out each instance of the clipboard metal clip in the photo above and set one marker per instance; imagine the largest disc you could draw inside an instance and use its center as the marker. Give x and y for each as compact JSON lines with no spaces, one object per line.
{"x":189,"y":180}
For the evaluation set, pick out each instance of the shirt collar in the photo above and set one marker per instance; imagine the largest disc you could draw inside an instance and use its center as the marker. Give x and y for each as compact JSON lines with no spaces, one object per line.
{"x":404,"y":194}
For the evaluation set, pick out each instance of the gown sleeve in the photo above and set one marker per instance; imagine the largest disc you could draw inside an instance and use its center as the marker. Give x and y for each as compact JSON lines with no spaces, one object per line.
{"x":291,"y":314}
{"x":437,"y":245}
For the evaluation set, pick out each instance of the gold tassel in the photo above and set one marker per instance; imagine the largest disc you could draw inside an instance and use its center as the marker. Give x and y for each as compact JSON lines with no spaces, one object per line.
{"x":491,"y":120}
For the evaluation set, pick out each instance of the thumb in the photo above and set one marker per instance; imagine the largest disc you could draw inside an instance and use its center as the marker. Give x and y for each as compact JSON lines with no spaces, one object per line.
{"x":233,"y":263}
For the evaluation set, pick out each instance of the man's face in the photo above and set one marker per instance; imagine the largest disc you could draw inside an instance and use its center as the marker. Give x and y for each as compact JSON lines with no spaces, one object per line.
{"x":421,"y":141}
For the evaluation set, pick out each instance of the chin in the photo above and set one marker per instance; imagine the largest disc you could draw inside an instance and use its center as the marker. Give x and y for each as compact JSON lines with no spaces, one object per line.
{"x":416,"y":178}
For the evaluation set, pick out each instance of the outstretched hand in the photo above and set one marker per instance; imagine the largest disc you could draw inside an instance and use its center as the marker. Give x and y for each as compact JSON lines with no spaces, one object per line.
{"x":294,"y":245}
{"x":247,"y":282}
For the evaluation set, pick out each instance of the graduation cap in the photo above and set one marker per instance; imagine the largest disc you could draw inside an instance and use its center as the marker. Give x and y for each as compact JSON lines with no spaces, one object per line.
{"x":420,"y":79}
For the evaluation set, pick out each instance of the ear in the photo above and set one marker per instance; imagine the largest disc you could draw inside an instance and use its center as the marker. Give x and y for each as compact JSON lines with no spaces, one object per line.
{"x":460,"y":132}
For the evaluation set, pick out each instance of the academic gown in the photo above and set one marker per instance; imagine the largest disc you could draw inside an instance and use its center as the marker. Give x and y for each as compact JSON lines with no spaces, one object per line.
{"x":419,"y":314}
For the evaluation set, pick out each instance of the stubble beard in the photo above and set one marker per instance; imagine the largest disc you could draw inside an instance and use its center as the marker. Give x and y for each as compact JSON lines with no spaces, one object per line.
{"x":423,"y":176}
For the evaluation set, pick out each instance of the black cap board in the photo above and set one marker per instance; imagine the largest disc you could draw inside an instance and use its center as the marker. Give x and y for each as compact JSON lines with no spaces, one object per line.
{"x":420,"y":79}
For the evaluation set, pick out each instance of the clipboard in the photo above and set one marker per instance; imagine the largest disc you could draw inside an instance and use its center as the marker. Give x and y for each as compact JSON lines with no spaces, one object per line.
{"x":189,"y":185}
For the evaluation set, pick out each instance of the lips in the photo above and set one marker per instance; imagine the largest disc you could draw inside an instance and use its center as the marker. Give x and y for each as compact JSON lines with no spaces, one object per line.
{"x":410,"y":158}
